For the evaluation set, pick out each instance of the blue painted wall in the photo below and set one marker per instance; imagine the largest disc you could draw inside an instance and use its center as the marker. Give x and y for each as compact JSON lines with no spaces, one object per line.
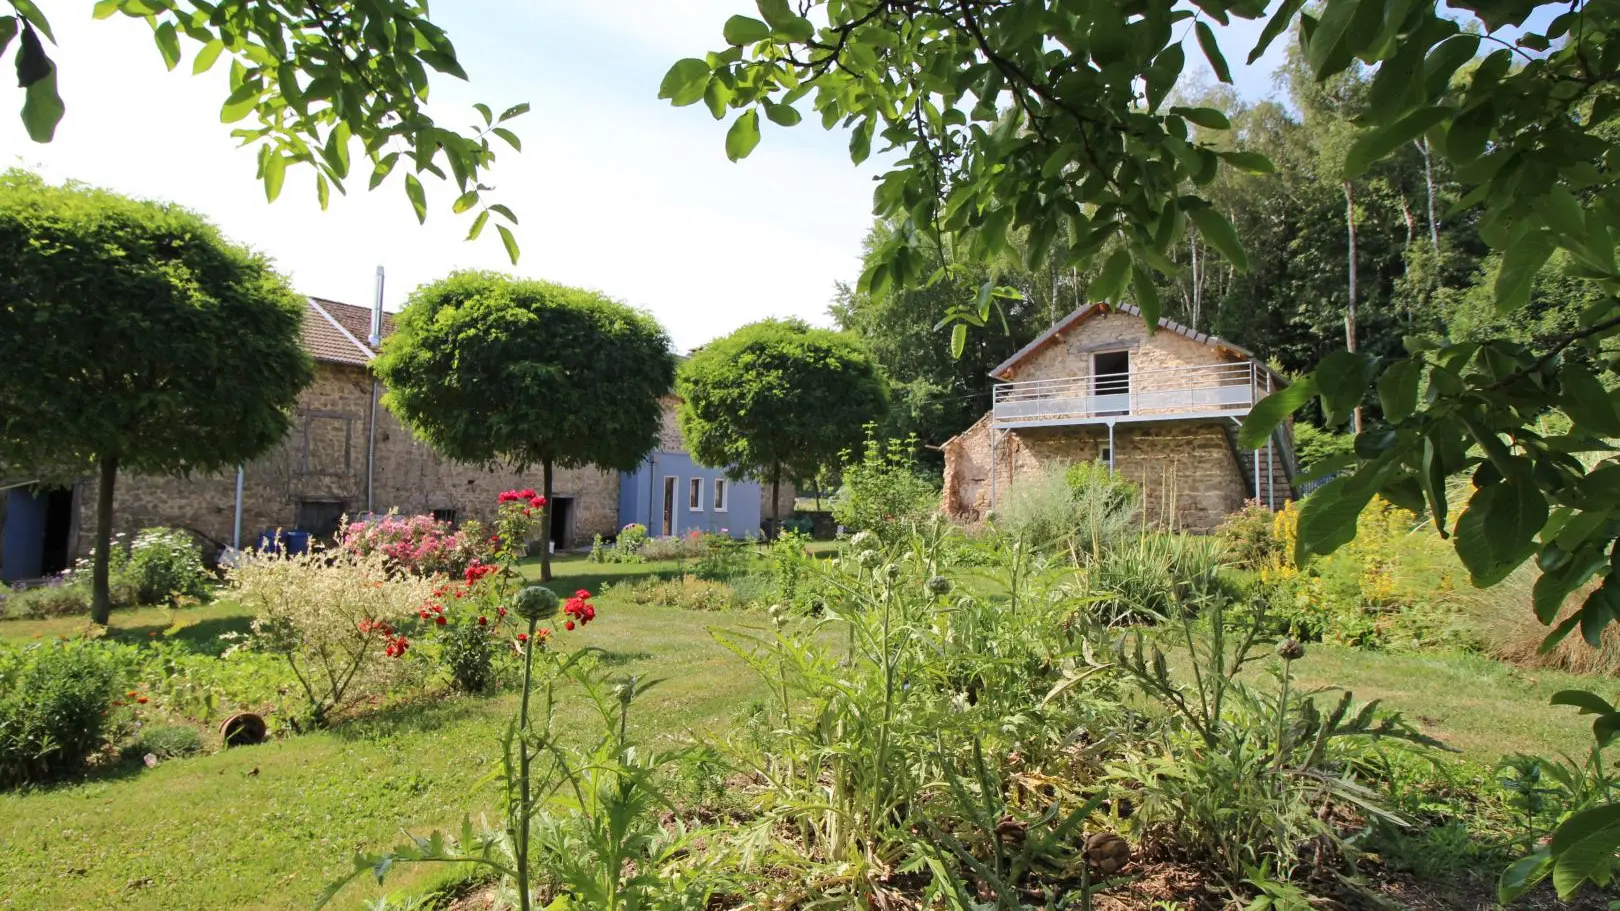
{"x":641,"y":498}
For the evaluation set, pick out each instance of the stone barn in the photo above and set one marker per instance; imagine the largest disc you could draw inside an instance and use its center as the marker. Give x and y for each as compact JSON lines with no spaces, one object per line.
{"x":1161,"y":407}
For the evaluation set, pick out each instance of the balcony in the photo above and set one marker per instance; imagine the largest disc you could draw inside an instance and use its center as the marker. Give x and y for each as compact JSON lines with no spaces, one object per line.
{"x":1176,"y":393}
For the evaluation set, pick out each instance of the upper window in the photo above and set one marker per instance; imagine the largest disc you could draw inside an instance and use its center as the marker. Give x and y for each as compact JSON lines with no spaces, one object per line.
{"x":694,"y":494}
{"x":720,"y":494}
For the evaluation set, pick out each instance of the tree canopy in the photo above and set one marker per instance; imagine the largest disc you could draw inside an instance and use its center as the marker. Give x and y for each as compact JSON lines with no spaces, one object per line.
{"x":776,"y":400}
{"x":487,"y":368}
{"x":308,"y":82}
{"x":135,"y":337}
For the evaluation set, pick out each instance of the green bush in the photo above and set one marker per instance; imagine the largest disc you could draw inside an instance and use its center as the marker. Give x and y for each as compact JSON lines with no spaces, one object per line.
{"x":1252,"y":538}
{"x":1154,"y":577}
{"x":58,"y":598}
{"x":884,"y":489}
{"x":1080,"y":507}
{"x":166,"y":564}
{"x":468,"y":652}
{"x":168,"y":741}
{"x":689,"y":592}
{"x":1313,"y":445}
{"x":54,"y":705}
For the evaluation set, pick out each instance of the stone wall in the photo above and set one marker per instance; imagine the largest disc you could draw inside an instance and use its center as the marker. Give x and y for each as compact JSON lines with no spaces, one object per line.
{"x":324,"y":459}
{"x":1187,"y":472}
{"x":1069,"y":355}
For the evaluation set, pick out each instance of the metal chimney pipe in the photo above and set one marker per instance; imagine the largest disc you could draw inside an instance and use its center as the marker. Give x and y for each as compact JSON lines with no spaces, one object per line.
{"x":376,"y":313}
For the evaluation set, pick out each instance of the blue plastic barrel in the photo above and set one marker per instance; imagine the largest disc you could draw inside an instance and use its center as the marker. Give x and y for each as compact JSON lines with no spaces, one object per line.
{"x":267,"y":543}
{"x":297,"y":542}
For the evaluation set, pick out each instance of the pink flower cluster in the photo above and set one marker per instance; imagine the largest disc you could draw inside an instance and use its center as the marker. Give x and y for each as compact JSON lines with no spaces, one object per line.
{"x":420,"y":545}
{"x":526,"y":495}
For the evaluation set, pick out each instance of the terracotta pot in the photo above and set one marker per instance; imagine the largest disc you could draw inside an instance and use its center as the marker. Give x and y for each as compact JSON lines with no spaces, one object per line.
{"x":242,"y":729}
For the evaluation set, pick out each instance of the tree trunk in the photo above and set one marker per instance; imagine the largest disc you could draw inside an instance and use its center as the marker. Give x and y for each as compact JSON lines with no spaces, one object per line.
{"x":776,"y":503}
{"x":100,"y":588}
{"x":545,"y":522}
{"x":1350,"y":310}
{"x":1428,"y":180}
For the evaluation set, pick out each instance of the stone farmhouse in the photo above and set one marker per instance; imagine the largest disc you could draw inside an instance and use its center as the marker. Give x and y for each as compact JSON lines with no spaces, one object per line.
{"x":348,"y":455}
{"x":1160,"y":407}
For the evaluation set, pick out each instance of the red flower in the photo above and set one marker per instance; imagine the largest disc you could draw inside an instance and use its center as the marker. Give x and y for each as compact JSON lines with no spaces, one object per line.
{"x":141,"y":699}
{"x":439,"y":619}
{"x":590,"y":612}
{"x":527,"y":493}
{"x":545,"y":633}
{"x":582,"y":593}
{"x":132,"y":694}
{"x":568,"y":625}
{"x":151,"y":635}
{"x":483,"y":621}
{"x":523,"y":637}
{"x":502,"y":612}
{"x":423,"y":613}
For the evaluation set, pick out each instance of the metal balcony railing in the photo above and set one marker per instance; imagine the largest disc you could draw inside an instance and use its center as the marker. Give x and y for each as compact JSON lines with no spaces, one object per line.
{"x":1165,"y":393}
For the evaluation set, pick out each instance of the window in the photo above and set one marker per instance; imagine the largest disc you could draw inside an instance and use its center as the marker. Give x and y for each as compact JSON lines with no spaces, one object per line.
{"x":447,"y":516}
{"x":694,"y":494}
{"x":720,"y":494}
{"x":1105,"y":455}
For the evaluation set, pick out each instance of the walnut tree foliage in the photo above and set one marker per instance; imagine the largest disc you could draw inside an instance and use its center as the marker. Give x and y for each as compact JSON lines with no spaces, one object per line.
{"x":776,"y":400}
{"x":1052,"y":118}
{"x":135,"y":338}
{"x":488,"y":369}
{"x":313,"y":82}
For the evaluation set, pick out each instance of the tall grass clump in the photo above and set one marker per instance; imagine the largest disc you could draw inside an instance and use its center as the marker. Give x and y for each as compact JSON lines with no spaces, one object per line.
{"x":1079,"y":507}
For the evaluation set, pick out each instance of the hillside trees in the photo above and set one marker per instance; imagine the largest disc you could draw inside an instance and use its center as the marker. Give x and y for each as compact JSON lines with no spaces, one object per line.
{"x":776,"y":400}
{"x":133,"y":337}
{"x":489,"y":369}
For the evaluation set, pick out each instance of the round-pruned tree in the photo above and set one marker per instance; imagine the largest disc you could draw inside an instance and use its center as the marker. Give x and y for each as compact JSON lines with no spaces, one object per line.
{"x":490,"y":369}
{"x":134,"y":337}
{"x":778,"y":399}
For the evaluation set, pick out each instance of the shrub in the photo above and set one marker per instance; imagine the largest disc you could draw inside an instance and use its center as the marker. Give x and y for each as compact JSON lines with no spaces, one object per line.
{"x":1508,"y":629}
{"x":1313,"y":445}
{"x":61,"y":597}
{"x":55,"y":701}
{"x":1156,"y":577}
{"x":1252,"y":540}
{"x":420,"y":545}
{"x":168,"y":741}
{"x":689,"y":592}
{"x":332,"y":617}
{"x":166,"y":564}
{"x":663,"y":550}
{"x":883,"y":489}
{"x":467,"y":651}
{"x":1080,"y":507}
{"x":722,"y":558}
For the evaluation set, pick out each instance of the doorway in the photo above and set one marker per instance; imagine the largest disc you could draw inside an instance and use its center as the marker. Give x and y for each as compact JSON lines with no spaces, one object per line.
{"x":38,"y":533}
{"x":562,"y":523}
{"x":667,"y":527}
{"x":1111,"y":381}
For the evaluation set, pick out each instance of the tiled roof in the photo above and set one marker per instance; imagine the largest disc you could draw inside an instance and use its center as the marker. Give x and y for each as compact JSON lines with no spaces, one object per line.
{"x":338,"y":333}
{"x":1081,"y":314}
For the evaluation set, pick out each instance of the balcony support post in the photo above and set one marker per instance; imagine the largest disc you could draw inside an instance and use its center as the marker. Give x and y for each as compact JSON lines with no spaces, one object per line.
{"x":992,"y":467}
{"x":1271,"y":479}
{"x":1111,"y":453}
{"x":1257,"y":474}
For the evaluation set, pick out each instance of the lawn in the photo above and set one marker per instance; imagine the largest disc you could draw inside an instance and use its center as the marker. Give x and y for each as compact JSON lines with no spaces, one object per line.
{"x":265,"y":827}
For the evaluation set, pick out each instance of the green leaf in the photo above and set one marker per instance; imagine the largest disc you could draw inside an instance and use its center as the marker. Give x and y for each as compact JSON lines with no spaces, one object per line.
{"x":1343,"y":27}
{"x":1588,"y":702}
{"x":168,"y":42}
{"x":464,"y":202}
{"x":741,"y":30}
{"x":1327,"y":518}
{"x":275,"y":173}
{"x":1209,"y":118}
{"x":1269,"y":413}
{"x":1220,"y":234}
{"x":478,"y":225}
{"x":1280,"y":20}
{"x":509,"y":136}
{"x":1520,"y":263}
{"x":323,"y":191}
{"x":380,"y":171}
{"x":1111,"y":280}
{"x":42,"y":108}
{"x":516,"y":110}
{"x":484,"y":112}
{"x":1515,"y":517}
{"x":206,"y":57}
{"x":958,"y":339}
{"x":1523,"y":874}
{"x":860,"y":141}
{"x":240,"y":103}
{"x":8,"y":31}
{"x":509,"y":241}
{"x":1376,"y":145}
{"x":1249,"y":162}
{"x":1342,"y":378}
{"x":776,"y":12}
{"x":1478,"y":531}
{"x":1583,"y":848}
{"x":1212,"y":52}
{"x":685,"y":82}
{"x":418,"y":197}
{"x":743,"y":135}
{"x":1147,"y":295}
{"x":1398,"y":389}
{"x":504,"y":212}
{"x":1586,"y":402}
{"x":782,"y":114}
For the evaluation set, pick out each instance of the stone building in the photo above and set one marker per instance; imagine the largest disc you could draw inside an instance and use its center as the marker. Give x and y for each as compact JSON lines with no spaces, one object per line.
{"x":346,"y":455}
{"x":1161,"y":407}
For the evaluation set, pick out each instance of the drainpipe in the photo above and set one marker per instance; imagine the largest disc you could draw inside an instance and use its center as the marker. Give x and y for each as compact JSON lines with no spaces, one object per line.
{"x":1111,"y":453}
{"x":375,"y":342}
{"x":236,"y":533}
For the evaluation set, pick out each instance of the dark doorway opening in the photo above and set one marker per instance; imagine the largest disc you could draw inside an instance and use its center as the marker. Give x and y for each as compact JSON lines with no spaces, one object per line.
{"x":668,"y":526}
{"x":321,"y":518}
{"x":1111,"y":381}
{"x":38,"y":533}
{"x":562,"y":521}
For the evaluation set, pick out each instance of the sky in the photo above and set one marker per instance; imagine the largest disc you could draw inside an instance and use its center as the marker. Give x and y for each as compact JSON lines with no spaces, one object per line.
{"x":615,"y":190}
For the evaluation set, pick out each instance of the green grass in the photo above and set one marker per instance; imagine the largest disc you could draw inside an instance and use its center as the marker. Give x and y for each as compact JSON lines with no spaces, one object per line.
{"x":267,"y":826}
